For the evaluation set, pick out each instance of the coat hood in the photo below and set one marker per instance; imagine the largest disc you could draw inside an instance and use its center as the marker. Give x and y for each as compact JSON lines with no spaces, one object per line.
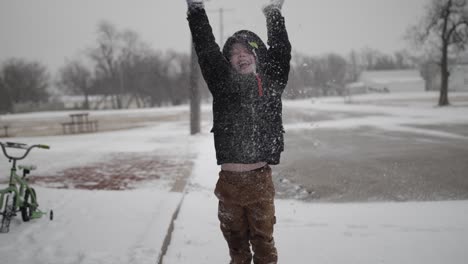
{"x":251,"y":40}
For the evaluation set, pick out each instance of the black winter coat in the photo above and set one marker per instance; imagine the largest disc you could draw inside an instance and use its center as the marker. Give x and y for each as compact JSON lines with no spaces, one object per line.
{"x":247,"y":111}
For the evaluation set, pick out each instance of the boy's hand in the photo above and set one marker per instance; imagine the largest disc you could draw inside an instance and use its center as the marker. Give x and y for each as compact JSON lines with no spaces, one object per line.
{"x":272,"y":4}
{"x":277,"y":3}
{"x":189,"y":2}
{"x":194,"y":3}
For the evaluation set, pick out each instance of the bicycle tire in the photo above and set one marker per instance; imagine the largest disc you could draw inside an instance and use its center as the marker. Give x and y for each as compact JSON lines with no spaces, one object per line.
{"x":8,"y":213}
{"x":27,"y":209}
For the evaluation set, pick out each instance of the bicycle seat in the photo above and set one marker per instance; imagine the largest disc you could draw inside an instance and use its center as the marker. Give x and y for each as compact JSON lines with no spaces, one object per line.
{"x":27,"y":167}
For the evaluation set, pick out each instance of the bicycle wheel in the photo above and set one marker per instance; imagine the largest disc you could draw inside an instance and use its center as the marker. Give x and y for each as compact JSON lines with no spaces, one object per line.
{"x":28,"y":207}
{"x":8,"y":212}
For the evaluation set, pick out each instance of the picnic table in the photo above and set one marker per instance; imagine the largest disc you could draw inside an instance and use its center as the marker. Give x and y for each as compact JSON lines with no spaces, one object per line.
{"x":79,"y":123}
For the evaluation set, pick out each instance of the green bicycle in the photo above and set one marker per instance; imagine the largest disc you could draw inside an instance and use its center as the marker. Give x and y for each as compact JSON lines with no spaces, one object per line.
{"x":19,"y":196}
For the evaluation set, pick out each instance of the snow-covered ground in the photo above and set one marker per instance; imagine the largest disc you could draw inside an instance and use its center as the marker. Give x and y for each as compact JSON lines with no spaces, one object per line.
{"x":393,"y":112}
{"x":413,"y":232}
{"x":130,"y":226}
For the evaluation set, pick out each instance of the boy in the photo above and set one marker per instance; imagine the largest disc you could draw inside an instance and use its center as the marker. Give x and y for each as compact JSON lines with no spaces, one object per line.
{"x":246,"y":80}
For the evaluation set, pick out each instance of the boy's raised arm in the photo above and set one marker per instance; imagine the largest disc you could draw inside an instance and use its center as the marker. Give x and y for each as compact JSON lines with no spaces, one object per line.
{"x":210,"y":57}
{"x":202,"y":34}
{"x":279,"y":53}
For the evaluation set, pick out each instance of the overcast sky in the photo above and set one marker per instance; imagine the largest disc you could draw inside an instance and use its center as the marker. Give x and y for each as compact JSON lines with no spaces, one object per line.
{"x":52,"y":30}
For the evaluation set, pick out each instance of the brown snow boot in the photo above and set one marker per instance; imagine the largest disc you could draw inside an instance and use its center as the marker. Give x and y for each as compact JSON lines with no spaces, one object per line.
{"x":261,"y":218}
{"x":235,"y":230}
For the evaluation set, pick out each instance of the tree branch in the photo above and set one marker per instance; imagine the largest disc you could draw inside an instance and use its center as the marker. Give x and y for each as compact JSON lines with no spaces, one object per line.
{"x":454,"y":27}
{"x":445,"y":17}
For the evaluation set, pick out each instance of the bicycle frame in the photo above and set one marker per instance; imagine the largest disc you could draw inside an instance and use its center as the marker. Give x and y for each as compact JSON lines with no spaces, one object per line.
{"x":18,"y":185}
{"x":15,"y":182}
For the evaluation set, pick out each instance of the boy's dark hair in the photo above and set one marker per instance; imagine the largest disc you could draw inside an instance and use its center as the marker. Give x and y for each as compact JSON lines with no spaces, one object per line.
{"x":249,"y":39}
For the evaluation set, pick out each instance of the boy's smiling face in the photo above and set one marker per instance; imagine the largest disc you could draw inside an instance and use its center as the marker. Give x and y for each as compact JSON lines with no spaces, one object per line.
{"x":242,"y":59}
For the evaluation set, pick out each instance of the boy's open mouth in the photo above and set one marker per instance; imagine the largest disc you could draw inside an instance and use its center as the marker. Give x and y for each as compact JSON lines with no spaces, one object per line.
{"x":244,"y":64}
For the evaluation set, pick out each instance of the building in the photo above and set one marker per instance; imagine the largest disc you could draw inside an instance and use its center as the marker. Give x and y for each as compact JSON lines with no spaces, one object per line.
{"x":393,"y":81}
{"x":458,"y":78}
{"x":356,"y":88}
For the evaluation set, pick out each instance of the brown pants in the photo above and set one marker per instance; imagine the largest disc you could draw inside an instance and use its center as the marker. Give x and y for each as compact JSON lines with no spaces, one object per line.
{"x":247,"y":214}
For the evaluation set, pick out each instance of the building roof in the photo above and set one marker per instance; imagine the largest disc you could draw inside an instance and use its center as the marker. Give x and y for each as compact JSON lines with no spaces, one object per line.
{"x":390,"y":76}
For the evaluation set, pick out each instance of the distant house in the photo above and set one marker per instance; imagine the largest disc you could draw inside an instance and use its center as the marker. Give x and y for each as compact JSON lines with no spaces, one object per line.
{"x":458,"y":78}
{"x":392,"y":81}
{"x":356,"y":88}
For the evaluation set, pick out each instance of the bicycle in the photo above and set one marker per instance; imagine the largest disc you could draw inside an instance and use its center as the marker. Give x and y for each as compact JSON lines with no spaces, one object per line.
{"x":19,"y":196}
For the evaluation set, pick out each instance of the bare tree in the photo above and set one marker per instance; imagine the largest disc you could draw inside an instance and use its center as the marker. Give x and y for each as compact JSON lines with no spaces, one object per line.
{"x":77,"y":79}
{"x":404,"y":60}
{"x":301,"y":76}
{"x":131,"y":65}
{"x":353,"y":66}
{"x":384,"y":62}
{"x":331,"y":73}
{"x":105,"y":55}
{"x":317,"y":75}
{"x":125,"y":65}
{"x":23,"y":81}
{"x":443,"y":29}
{"x":6,"y":102}
{"x":368,"y":58}
{"x":162,"y":79}
{"x":177,"y":74}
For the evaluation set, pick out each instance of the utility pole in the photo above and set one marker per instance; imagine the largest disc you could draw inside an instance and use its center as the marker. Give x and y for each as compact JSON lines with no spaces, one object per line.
{"x":195,"y":108}
{"x":221,"y":12}
{"x":221,"y":26}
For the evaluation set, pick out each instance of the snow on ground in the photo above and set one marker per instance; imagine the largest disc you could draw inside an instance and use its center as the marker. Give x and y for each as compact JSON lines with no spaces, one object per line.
{"x":97,"y":113}
{"x":117,"y":227}
{"x":416,"y":109}
{"x":167,"y":138}
{"x":98,"y":226}
{"x":130,"y":226}
{"x":403,"y":233}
